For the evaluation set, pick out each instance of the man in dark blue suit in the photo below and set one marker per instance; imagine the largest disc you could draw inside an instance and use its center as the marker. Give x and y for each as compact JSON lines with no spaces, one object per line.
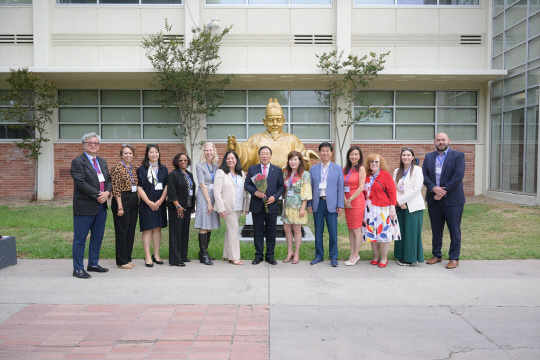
{"x":91,"y":189}
{"x":443,"y":177}
{"x":261,"y":218}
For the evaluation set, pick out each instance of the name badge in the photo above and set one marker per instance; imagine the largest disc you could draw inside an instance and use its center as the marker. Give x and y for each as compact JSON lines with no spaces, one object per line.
{"x":101,"y":178}
{"x":191,"y":192}
{"x":322,"y":186}
{"x":400,"y":186}
{"x":133,"y":188}
{"x":347,"y":189}
{"x":159,"y":186}
{"x":290,"y":192}
{"x":438,"y":170}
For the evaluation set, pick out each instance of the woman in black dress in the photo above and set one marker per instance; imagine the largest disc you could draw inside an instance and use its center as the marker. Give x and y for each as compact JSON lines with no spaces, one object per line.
{"x":181,"y":192}
{"x":152,"y":189}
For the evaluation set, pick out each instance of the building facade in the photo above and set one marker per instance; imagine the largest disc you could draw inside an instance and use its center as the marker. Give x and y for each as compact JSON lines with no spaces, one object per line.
{"x":454,"y":66}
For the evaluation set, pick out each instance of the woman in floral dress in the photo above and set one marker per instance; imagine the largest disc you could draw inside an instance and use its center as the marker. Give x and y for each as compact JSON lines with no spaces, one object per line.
{"x":297,"y":193}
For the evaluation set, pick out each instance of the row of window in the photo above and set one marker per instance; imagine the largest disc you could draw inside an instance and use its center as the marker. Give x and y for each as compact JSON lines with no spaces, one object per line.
{"x":258,"y":2}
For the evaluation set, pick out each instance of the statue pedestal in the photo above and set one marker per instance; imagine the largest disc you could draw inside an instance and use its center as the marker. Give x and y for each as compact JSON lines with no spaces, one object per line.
{"x":8,"y":251}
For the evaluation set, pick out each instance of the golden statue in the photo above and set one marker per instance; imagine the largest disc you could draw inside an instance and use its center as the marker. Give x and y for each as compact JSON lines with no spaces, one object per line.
{"x":280,"y":142}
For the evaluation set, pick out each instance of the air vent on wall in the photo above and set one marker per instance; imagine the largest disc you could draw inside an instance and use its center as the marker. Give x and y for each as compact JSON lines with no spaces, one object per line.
{"x":471,"y":40}
{"x":16,"y":39}
{"x":167,"y":38}
{"x":313,"y":39}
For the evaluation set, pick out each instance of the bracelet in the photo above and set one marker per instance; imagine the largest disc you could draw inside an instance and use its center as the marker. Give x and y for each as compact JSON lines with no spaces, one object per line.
{"x":120,"y":209}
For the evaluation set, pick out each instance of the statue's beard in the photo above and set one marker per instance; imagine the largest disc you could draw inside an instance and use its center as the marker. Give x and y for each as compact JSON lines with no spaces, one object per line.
{"x":275,"y":134}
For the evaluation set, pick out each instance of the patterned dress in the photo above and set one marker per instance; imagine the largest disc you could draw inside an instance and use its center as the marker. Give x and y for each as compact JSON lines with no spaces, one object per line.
{"x":203,"y":220}
{"x":295,"y":192}
{"x":377,"y":226}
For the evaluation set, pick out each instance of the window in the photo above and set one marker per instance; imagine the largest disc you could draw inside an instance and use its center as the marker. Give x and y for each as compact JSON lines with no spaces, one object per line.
{"x":418,"y":2}
{"x":268,"y":2}
{"x":6,"y":129}
{"x":115,"y":115}
{"x":307,"y":114}
{"x":15,"y":2}
{"x":419,"y":115}
{"x":121,"y":2}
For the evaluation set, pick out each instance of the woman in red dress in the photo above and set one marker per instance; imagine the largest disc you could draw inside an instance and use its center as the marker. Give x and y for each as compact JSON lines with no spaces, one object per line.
{"x":354,"y":176}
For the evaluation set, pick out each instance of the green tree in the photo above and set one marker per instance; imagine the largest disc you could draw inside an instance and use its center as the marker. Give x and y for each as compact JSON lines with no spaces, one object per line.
{"x":33,"y":102}
{"x":186,"y":78}
{"x":348,"y":79}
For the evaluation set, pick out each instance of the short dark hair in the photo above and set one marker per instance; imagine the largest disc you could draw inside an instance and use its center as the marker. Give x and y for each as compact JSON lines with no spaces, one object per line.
{"x":129,"y":146}
{"x":225,"y":168}
{"x":326,"y":144}
{"x":265,"y":147}
{"x":175,"y":161}
{"x":146,"y":161}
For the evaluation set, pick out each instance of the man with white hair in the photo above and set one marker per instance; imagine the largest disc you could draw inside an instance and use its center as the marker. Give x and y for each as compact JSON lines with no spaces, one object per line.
{"x":91,"y":188}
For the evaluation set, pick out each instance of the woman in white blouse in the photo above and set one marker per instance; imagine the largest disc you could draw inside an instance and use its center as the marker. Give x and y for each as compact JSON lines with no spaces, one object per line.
{"x":230,"y":200}
{"x":410,"y":210}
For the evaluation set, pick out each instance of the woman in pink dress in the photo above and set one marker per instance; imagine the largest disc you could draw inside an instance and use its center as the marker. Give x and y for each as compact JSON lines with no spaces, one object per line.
{"x":354,"y":176}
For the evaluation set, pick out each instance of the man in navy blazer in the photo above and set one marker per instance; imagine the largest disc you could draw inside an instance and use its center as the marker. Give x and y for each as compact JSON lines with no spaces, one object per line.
{"x":91,"y":189}
{"x":443,"y":177}
{"x":261,"y":218}
{"x":327,"y":203}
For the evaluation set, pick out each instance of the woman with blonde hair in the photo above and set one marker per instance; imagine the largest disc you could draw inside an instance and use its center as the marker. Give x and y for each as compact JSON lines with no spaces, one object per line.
{"x":380,"y":225}
{"x":206,"y":218}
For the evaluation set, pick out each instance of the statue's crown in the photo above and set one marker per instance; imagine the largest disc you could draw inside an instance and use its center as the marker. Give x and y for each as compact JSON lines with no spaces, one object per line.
{"x":273,"y":108}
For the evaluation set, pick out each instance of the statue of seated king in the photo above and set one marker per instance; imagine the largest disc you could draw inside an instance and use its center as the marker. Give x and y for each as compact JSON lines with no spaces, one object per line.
{"x":280,"y":142}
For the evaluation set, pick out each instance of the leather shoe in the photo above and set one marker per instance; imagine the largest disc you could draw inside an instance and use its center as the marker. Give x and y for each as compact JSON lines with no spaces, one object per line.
{"x":271,"y":261}
{"x":81,"y":274}
{"x":316,"y":261}
{"x":433,"y":260}
{"x":187,"y":260}
{"x":452,"y":264}
{"x":179,"y":264}
{"x":97,"y":268}
{"x":256,"y":261}
{"x":157,"y":262}
{"x":334,"y":262}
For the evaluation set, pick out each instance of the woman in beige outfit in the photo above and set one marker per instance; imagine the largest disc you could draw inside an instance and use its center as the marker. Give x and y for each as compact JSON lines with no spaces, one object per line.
{"x":230,"y":200}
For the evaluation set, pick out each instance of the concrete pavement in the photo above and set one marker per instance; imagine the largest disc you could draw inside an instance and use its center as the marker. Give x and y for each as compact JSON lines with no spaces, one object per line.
{"x":481,"y":310}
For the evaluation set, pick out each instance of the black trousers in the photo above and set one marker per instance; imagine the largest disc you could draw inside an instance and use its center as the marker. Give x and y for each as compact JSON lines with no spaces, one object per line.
{"x":178,"y":235}
{"x":451,"y":215}
{"x":264,"y":224}
{"x":124,"y":226}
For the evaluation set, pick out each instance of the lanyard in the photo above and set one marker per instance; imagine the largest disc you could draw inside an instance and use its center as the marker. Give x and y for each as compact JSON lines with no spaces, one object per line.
{"x":129,"y":170}
{"x":211,"y":172}
{"x":441,"y":162}
{"x":373,"y":177}
{"x":291,"y":178}
{"x":347,"y":179}
{"x":187,"y":175}
{"x":235,"y":179}
{"x":404,"y":175}
{"x":324,"y":174}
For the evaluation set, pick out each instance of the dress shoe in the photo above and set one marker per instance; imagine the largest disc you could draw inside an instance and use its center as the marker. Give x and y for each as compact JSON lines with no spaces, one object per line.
{"x":352,"y":263}
{"x":383,"y":265}
{"x":125,"y":266}
{"x":334,"y":262}
{"x":404,"y":263}
{"x":374,"y":262}
{"x":157,"y":262}
{"x":179,"y":264}
{"x":186,"y":260}
{"x":433,"y":260}
{"x":452,"y":264}
{"x":236,"y":262}
{"x":96,"y":268}
{"x":316,"y":261}
{"x":256,"y":261}
{"x":271,"y":261}
{"x":289,"y":258}
{"x":81,"y":274}
{"x":149,"y":265}
{"x":296,"y":259}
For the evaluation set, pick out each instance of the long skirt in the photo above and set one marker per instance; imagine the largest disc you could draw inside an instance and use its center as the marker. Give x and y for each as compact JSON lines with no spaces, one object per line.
{"x":410,"y":249}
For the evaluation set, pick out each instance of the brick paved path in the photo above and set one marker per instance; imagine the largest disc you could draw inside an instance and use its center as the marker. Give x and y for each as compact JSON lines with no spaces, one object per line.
{"x":221,"y":332}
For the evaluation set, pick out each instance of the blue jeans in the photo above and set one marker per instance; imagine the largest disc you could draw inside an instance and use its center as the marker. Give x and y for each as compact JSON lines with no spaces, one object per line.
{"x":319,"y":217}
{"x":82,"y":224}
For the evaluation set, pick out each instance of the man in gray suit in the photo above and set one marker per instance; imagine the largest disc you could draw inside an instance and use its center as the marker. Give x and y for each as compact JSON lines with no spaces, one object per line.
{"x":327,"y":203}
{"x":91,"y":189}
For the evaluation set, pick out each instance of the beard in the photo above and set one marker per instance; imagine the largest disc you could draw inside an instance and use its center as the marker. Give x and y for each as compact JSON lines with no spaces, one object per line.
{"x":275,"y":134}
{"x":442,"y":148}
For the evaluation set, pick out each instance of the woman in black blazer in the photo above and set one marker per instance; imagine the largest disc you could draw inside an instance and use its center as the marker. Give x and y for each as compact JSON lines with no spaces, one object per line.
{"x":181,"y":193}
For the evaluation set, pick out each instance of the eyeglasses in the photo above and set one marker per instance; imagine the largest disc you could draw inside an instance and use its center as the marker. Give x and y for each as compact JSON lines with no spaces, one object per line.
{"x":127,"y":145}
{"x":403,"y":149}
{"x":182,"y":160}
{"x":374,"y":162}
{"x":91,"y":143}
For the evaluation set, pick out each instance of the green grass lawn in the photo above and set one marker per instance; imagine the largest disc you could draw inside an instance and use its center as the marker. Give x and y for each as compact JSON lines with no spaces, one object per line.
{"x":500,"y":231}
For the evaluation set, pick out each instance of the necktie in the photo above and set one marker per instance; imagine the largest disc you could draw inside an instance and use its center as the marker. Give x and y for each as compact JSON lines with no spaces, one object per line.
{"x":265,"y":169}
{"x":101,"y":183}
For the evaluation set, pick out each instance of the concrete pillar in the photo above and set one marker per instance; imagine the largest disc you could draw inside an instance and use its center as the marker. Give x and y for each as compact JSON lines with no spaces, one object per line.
{"x":41,"y":33}
{"x":343,"y":24}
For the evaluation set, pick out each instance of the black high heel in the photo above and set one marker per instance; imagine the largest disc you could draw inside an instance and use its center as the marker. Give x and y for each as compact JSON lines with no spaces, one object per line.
{"x":157,"y":262}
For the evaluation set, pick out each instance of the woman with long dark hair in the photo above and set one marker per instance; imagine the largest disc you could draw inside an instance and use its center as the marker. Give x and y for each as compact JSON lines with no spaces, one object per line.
{"x":181,"y":205}
{"x":152,"y":189}
{"x":410,"y":210}
{"x":354,"y":175}
{"x":230,"y":200}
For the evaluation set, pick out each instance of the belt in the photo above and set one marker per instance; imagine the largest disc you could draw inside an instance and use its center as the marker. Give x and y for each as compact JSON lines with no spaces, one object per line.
{"x":323,"y":197}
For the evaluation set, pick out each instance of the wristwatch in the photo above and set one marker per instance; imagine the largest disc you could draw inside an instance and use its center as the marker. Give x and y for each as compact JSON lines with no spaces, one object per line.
{"x":178,"y":207}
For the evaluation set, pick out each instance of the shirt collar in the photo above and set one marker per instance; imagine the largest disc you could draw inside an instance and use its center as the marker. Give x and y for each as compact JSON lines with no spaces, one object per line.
{"x":445,"y":152}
